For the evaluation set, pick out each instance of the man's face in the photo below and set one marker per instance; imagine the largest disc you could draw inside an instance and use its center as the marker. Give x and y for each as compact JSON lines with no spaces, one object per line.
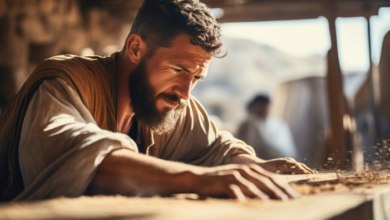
{"x":160,"y":86}
{"x":260,"y":109}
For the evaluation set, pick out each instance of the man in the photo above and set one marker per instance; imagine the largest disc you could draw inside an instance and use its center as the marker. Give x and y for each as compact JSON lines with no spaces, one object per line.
{"x":127,"y":124}
{"x":269,"y":136}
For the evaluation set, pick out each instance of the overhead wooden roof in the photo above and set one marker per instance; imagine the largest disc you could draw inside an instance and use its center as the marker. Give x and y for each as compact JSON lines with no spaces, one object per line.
{"x":261,"y":10}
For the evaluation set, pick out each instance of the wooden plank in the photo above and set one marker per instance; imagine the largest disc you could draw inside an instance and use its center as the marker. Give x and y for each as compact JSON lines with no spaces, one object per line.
{"x":322,"y":206}
{"x":311,"y":177}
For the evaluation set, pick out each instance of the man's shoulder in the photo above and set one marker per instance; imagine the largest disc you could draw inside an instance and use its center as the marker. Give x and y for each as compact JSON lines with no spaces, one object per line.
{"x":88,"y":76}
{"x":70,"y":66}
{"x":76,"y":59}
{"x":66,"y":57}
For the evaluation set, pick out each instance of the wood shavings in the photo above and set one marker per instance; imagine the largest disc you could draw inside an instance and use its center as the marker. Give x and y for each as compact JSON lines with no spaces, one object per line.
{"x":365,"y":179}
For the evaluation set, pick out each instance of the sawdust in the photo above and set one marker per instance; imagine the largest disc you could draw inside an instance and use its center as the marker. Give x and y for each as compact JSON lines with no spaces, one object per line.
{"x":365,"y":179}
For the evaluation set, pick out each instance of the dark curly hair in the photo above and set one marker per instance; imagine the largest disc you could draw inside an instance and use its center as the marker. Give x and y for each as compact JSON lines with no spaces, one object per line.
{"x":158,"y":22}
{"x":260,"y":99}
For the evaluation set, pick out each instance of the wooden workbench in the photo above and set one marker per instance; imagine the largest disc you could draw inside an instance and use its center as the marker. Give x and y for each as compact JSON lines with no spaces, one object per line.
{"x":361,"y":203}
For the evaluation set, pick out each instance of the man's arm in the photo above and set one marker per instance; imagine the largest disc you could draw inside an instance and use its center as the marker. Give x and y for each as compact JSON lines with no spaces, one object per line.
{"x":129,"y":173}
{"x":198,"y":141}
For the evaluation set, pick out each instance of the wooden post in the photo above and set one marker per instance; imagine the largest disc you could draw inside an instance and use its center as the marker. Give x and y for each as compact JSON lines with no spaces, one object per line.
{"x":336,"y":98}
{"x":370,"y":73}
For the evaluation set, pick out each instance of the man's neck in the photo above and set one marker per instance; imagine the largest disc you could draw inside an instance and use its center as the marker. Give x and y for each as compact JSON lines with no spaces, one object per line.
{"x":124,"y":109}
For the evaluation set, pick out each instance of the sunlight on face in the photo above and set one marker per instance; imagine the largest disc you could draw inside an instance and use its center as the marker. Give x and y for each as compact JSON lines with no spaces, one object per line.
{"x":161,"y":85}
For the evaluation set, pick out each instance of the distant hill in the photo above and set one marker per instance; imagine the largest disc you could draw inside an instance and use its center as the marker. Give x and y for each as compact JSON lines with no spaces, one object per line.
{"x":249,"y":68}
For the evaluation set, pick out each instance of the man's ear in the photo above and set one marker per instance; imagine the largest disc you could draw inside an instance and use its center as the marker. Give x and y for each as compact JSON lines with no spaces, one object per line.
{"x":135,"y":48}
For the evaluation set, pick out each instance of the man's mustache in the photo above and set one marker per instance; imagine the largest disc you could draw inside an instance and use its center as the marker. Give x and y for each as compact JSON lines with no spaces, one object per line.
{"x":174,"y":98}
{"x":170,"y":97}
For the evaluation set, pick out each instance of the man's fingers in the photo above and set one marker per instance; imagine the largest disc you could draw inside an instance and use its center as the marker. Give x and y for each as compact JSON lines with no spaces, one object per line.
{"x":290,"y":159}
{"x":300,"y":168}
{"x":263,"y":183}
{"x":247,"y":187}
{"x":240,"y":181}
{"x":283,"y":187}
{"x":297,"y":168}
{"x":252,"y":191}
{"x":234,"y":192}
{"x":294,"y":167}
{"x":288,"y":165}
{"x":308,"y":169}
{"x":269,"y":187}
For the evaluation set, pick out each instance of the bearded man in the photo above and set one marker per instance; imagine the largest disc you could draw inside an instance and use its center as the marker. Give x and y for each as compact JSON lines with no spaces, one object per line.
{"x":127,"y":124}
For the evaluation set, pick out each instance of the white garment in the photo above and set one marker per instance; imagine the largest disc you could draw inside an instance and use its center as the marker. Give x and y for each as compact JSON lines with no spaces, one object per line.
{"x":277,"y":134}
{"x":270,"y":138}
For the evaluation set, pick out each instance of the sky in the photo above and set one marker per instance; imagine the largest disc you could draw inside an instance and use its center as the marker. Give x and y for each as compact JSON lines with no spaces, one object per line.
{"x":308,"y":37}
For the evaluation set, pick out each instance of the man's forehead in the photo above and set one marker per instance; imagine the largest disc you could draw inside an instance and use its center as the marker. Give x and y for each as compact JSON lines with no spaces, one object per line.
{"x":182,"y":49}
{"x":183,"y":60}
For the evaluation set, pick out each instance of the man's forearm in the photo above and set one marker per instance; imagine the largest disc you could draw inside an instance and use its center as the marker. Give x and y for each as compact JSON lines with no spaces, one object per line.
{"x":129,"y":173}
{"x":243,"y":159}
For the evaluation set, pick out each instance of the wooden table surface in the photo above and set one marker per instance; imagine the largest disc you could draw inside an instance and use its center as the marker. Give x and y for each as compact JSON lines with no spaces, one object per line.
{"x":360,"y":203}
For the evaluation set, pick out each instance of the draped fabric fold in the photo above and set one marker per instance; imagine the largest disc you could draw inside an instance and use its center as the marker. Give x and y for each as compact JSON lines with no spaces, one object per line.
{"x":87,"y":76}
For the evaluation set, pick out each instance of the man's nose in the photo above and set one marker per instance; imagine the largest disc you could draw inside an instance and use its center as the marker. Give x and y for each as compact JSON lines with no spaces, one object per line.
{"x":184,"y":89}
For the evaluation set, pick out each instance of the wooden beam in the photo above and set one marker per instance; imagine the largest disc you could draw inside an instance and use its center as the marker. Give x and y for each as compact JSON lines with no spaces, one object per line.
{"x":259,"y":10}
{"x":270,"y":11}
{"x":292,"y":10}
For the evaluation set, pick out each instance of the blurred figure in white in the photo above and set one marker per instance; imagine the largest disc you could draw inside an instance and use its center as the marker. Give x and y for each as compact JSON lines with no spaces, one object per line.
{"x":268,"y":135}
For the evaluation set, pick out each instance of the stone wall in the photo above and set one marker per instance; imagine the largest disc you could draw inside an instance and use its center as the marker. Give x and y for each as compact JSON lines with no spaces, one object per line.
{"x":33,"y":30}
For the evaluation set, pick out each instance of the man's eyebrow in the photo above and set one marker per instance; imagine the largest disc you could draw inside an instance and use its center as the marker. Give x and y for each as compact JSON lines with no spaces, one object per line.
{"x":182,"y":67}
{"x":185,"y":69}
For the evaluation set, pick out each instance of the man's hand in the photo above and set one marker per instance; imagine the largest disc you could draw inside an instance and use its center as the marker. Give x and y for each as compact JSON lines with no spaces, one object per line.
{"x":286,"y":166}
{"x":240,"y":181}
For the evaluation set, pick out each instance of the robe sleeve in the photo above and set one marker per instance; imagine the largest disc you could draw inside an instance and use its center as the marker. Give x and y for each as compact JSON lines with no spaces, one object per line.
{"x":61,"y":145}
{"x":196,"y":140}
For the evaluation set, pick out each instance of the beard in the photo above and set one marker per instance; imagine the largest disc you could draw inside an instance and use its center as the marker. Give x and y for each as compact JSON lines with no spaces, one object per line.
{"x":144,"y":103}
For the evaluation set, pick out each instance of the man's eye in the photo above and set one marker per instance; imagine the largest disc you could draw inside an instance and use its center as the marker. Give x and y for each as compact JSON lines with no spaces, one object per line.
{"x":176,"y":70}
{"x":199,"y":78}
